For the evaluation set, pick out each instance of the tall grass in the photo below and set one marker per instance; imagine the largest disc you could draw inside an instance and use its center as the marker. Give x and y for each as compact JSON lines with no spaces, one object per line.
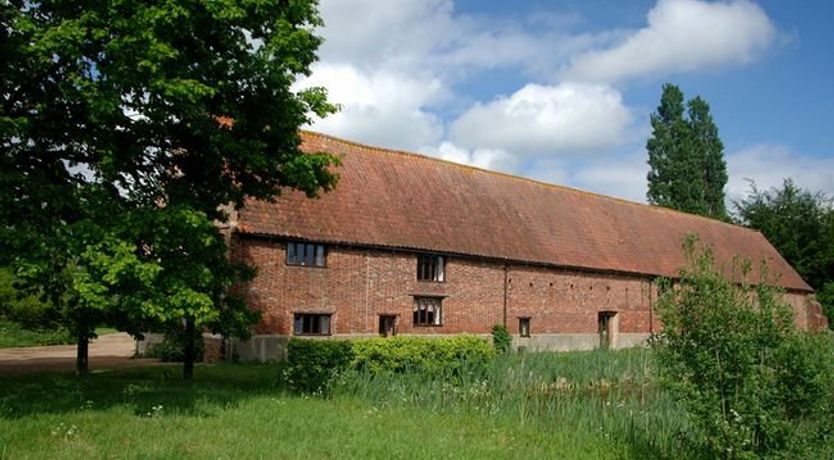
{"x":612,"y":394}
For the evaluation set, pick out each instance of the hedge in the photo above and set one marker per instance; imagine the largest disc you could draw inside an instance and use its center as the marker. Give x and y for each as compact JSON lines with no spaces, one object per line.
{"x":313,"y":364}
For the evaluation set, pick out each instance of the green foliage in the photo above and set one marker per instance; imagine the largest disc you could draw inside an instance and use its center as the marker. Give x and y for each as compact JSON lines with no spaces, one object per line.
{"x":13,"y":334}
{"x":826,"y":298}
{"x":127,"y":131}
{"x":800,"y":225}
{"x":313,"y":364}
{"x":429,"y":356}
{"x":172,"y":347}
{"x":750,"y":383}
{"x":686,"y":157}
{"x":27,"y":310}
{"x":501,"y":339}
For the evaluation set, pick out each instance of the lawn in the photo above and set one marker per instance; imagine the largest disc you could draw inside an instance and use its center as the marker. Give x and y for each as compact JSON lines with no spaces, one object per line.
{"x":15,"y":335}
{"x":240,"y":411}
{"x":528,"y":405}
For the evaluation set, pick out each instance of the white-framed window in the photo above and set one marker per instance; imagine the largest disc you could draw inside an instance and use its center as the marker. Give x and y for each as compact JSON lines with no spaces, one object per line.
{"x":431,"y":268}
{"x":428,"y":311}
{"x":306,"y":254}
{"x":311,"y":324}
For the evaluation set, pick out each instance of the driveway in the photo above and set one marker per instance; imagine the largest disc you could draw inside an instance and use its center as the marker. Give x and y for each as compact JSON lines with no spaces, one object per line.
{"x":106,"y":352}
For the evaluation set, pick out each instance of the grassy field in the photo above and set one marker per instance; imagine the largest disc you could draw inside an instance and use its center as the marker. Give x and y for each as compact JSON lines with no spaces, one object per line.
{"x":535,"y":405}
{"x":14,"y":335}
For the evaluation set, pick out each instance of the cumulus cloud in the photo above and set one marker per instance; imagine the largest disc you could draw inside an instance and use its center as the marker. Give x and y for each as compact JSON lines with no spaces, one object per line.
{"x":383,"y":107}
{"x":493,"y":159}
{"x":568,"y":117}
{"x":681,"y":36}
{"x":769,"y":164}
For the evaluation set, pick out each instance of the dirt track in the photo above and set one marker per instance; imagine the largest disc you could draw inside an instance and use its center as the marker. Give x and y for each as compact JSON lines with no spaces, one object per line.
{"x":106,"y":352}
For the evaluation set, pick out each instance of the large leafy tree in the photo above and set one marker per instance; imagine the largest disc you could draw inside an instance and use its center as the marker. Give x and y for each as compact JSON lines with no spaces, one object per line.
{"x":127,"y":127}
{"x":800,"y":224}
{"x":686,"y":157}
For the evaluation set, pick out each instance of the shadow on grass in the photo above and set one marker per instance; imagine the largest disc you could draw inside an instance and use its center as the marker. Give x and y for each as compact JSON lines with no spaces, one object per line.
{"x":141,"y":389}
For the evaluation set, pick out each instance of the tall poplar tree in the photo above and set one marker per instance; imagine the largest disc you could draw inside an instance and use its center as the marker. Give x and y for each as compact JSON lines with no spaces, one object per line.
{"x":686,"y":157}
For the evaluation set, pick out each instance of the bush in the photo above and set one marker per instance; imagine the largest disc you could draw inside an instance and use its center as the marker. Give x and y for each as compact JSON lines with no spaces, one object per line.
{"x":434,"y":356}
{"x":312,"y":364}
{"x":501,"y":339}
{"x":730,"y":354}
{"x":172,"y":347}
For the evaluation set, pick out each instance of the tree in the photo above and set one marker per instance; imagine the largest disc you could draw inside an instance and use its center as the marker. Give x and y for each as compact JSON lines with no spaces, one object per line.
{"x":751,"y":384}
{"x":166,"y":112}
{"x":800,"y":225}
{"x":710,"y":150}
{"x":686,"y":157}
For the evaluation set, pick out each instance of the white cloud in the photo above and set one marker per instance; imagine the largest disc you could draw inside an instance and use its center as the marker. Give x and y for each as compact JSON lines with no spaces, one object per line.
{"x":623,"y":176}
{"x":493,"y":159}
{"x":769,"y":164}
{"x":681,"y":36}
{"x":384,"y":108}
{"x":539,"y":119}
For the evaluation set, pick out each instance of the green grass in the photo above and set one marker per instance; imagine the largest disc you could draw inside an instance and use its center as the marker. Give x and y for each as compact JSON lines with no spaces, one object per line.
{"x":237,"y":411}
{"x":14,"y":335}
{"x":533,"y":405}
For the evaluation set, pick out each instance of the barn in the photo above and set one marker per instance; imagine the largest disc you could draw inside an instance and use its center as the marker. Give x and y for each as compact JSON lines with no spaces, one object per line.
{"x":409,"y":244}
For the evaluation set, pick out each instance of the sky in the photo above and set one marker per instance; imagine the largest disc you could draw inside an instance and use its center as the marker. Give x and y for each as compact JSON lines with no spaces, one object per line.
{"x":562,"y":91}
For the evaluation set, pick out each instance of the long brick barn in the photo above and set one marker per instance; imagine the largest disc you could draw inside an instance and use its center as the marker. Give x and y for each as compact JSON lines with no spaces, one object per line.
{"x":408,"y":244}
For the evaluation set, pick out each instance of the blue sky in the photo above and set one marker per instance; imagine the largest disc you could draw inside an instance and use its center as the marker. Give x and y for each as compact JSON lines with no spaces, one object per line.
{"x":561,"y":91}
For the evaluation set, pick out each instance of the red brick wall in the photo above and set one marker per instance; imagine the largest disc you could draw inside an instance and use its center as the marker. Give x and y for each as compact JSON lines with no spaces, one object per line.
{"x":359,"y":284}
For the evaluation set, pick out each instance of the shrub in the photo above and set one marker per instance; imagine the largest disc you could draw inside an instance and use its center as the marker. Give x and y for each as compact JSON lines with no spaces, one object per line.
{"x":751,"y":384}
{"x":312,"y":364}
{"x":501,"y":339}
{"x":434,"y":356}
{"x":172,"y":347}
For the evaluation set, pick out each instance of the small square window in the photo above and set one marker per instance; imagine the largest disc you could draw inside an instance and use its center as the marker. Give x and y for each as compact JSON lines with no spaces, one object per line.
{"x":311,"y":324}
{"x":524,"y":327}
{"x":431,"y":268}
{"x":306,"y":254}
{"x":428,"y":311}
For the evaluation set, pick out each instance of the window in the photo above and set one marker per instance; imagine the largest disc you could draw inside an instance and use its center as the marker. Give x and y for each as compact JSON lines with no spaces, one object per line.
{"x":305,"y":254}
{"x":427,"y":311}
{"x":524,"y":327}
{"x":431,"y":268}
{"x":311,"y":324}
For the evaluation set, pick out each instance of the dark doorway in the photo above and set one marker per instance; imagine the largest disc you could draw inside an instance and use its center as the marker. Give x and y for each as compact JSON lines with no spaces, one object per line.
{"x":605,"y":320}
{"x":387,"y":325}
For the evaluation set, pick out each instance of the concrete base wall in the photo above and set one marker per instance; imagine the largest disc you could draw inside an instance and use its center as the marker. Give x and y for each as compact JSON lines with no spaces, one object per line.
{"x":273,"y":347}
{"x":576,"y":342}
{"x":261,"y":348}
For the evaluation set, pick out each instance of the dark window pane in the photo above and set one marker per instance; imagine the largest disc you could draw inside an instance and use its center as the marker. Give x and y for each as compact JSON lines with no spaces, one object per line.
{"x":309,"y":254}
{"x":291,"y":258}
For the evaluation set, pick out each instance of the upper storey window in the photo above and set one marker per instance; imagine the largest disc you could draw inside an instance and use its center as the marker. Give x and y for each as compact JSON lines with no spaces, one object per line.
{"x":431,"y":268}
{"x":306,"y":254}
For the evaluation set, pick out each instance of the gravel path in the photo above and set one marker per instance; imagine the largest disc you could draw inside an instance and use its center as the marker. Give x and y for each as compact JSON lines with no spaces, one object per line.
{"x":106,"y":352}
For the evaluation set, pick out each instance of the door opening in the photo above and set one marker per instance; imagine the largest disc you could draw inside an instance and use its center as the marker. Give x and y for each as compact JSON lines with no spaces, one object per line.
{"x":387,"y":325}
{"x":605,"y":320}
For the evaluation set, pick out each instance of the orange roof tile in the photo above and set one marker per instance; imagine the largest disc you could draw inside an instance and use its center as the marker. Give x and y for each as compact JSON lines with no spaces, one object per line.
{"x":387,"y":198}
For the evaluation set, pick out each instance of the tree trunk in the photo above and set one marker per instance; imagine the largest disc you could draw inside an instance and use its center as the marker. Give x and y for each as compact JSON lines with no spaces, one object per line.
{"x":82,"y":355}
{"x":189,"y":353}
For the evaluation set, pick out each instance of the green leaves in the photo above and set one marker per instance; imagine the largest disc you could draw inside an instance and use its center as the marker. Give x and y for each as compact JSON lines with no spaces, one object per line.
{"x":686,"y":157}
{"x":752,"y":384}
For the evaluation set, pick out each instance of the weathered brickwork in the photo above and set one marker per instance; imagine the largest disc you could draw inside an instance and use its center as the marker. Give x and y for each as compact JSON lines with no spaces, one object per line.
{"x":360,"y":284}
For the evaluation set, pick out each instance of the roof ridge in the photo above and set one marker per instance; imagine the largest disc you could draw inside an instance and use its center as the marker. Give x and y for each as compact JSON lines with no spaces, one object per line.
{"x":538,"y":182}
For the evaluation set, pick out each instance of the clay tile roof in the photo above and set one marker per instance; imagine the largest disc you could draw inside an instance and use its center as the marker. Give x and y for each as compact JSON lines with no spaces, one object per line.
{"x":394,"y":199}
